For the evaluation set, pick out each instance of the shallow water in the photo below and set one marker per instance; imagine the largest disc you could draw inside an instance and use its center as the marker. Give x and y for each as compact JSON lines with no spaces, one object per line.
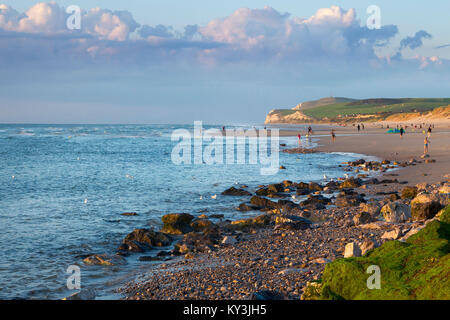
{"x":63,"y":188}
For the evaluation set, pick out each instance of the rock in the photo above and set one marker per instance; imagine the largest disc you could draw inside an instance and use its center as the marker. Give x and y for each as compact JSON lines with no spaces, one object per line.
{"x":292,"y":223}
{"x":104,"y":260}
{"x":262,"y":191}
{"x":129,"y":214}
{"x":409,"y":193}
{"x":197,"y":242}
{"x":321,"y":261}
{"x":246,"y":207}
{"x":274,"y":188}
{"x":312,"y":291}
{"x":217,"y":216}
{"x":86,"y":294}
{"x":396,"y":212}
{"x":252,"y":223}
{"x":392,"y":235}
{"x":142,"y":239}
{"x":315,"y":186}
{"x":345,"y":200}
{"x":351,"y":183}
{"x":282,"y":167}
{"x":228,"y":240}
{"x":236,"y":192}
{"x":372,"y":208}
{"x":362,"y":218}
{"x":422,"y":187}
{"x":394,"y":197}
{"x":425,"y":206}
{"x":177,"y":223}
{"x":199,"y":225}
{"x":445,"y":189}
{"x":352,"y":250}
{"x":267,"y":295}
{"x":303,"y":191}
{"x":263,"y":202}
{"x":291,"y":271}
{"x":368,"y":245}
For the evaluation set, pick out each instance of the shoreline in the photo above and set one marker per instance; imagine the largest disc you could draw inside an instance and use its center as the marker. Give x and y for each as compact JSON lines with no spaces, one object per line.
{"x":281,"y":259}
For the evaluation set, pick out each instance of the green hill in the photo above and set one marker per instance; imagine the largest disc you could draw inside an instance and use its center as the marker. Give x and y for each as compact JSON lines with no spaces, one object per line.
{"x":346,"y":110}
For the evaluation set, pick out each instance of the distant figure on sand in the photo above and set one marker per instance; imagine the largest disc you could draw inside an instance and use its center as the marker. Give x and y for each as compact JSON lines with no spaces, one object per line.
{"x":333,"y":136}
{"x":426,"y":142}
{"x":359,"y":127}
{"x":429,"y":131}
{"x":402,"y":131}
{"x":299,"y":136}
{"x":309,"y":130}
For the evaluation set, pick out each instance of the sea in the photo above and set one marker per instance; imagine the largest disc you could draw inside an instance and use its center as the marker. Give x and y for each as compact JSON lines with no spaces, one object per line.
{"x":63,"y":189}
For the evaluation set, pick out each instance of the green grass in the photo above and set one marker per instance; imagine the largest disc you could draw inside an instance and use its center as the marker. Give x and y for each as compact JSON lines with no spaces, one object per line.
{"x":416,"y":269}
{"x":375,"y":106}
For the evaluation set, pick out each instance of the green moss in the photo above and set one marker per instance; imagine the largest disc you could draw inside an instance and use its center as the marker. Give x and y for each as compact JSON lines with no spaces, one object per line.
{"x":416,"y":269}
{"x":409,"y":193}
{"x":444,"y":216}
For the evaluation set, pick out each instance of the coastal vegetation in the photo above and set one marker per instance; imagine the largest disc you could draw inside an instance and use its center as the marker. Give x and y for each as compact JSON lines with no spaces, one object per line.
{"x":347,"y":110}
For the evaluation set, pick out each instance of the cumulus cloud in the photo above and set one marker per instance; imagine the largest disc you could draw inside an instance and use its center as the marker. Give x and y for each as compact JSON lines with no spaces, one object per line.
{"x":50,"y":18}
{"x":416,"y":41}
{"x":250,"y":36}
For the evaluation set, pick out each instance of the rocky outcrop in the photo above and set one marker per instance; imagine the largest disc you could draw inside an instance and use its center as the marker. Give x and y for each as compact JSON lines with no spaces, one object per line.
{"x":236,"y":192}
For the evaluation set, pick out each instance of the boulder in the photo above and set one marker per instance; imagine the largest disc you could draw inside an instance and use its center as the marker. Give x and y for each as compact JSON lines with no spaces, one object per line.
{"x":251,"y":223}
{"x":200,"y":225}
{"x":396,"y":212}
{"x":348,"y":200}
{"x":263,"y":202}
{"x":409,"y":192}
{"x":362,"y":218}
{"x":197,"y":242}
{"x":368,"y":245}
{"x":315,"y":186}
{"x":247,"y":207}
{"x":274,"y":188}
{"x":372,"y":208}
{"x":425,"y":206}
{"x":392,"y":235}
{"x":352,"y":250}
{"x":236,"y":192}
{"x":142,"y":239}
{"x":350,"y":183}
{"x":177,"y":223}
{"x":292,"y":223}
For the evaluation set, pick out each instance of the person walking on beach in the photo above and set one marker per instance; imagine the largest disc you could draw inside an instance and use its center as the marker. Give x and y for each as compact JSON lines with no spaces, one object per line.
{"x":429,"y":131}
{"x":333,"y":135}
{"x":299,"y":136}
{"x":309,"y":130}
{"x":426,"y":142}
{"x":359,"y":127}
{"x":402,"y":131}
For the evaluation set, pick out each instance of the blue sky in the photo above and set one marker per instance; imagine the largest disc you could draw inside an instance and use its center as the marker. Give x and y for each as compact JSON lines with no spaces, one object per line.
{"x":233,"y":65}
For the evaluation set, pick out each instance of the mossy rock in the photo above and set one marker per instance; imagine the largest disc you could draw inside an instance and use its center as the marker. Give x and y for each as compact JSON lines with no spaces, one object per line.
{"x":416,"y":269}
{"x":409,"y":193}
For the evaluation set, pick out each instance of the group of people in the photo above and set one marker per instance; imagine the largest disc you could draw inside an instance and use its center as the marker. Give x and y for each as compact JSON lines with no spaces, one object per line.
{"x":308,"y":135}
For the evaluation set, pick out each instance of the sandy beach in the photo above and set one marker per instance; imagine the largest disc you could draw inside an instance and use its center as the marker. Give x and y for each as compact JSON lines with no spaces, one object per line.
{"x":376,"y":142}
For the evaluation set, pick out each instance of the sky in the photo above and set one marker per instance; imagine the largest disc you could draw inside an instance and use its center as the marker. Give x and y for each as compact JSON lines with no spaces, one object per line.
{"x":171,"y":61}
